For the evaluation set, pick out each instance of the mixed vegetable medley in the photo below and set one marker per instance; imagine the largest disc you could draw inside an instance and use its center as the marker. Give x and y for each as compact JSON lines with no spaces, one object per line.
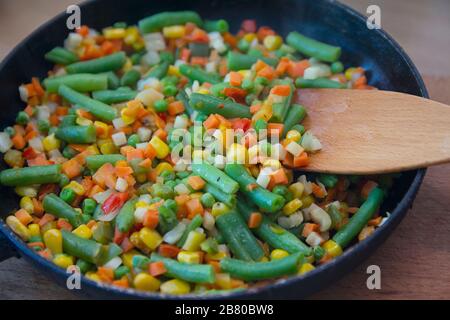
{"x":167,"y":157}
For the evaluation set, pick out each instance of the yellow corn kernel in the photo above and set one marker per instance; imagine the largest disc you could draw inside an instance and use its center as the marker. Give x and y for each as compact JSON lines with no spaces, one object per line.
{"x":223,"y":280}
{"x":114,"y":33}
{"x":141,"y":177}
{"x":83,"y":231}
{"x":173,"y":71}
{"x":292,"y":206}
{"x":273,"y":42}
{"x":108,"y":148}
{"x":103,"y":128}
{"x":219,"y":208}
{"x":18,"y":228}
{"x":63,"y":260}
{"x":162,"y":149}
{"x":306,"y":267}
{"x":34,"y":229}
{"x":27,"y":204}
{"x":278,"y":254}
{"x":92,"y":149}
{"x":127,"y":258}
{"x":273,"y":163}
{"x":83,"y":121}
{"x":175,"y":286}
{"x":216,"y":256}
{"x":293,"y":135}
{"x":53,"y":241}
{"x":332,"y":248}
{"x":189,"y":257}
{"x":264,"y":259}
{"x":139,"y":44}
{"x":93,"y":276}
{"x":131,"y":35}
{"x":128,"y":65}
{"x":203,"y":91}
{"x":297,"y":189}
{"x":193,"y":241}
{"x":126,"y":118}
{"x":51,"y":143}
{"x":237,"y":153}
{"x":151,"y":238}
{"x":48,"y":226}
{"x":174,"y":32}
{"x":144,"y":281}
{"x":307,"y":200}
{"x":163,"y":166}
{"x":196,"y":195}
{"x":76,"y":187}
{"x":245,"y":73}
{"x":198,"y":156}
{"x":249,"y":37}
{"x":141,"y":204}
{"x":349,"y":73}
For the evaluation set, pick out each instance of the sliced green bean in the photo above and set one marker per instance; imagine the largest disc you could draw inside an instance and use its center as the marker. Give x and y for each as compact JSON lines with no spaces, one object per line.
{"x":110,"y":62}
{"x":159,"y":71}
{"x":114,"y":96}
{"x":313,"y":48}
{"x":196,"y":73}
{"x":81,"y":82}
{"x":238,"y":61}
{"x":295,"y":115}
{"x":218,"y":194}
{"x":30,"y":175}
{"x":88,"y":250}
{"x":280,"y":110}
{"x":125,"y":218}
{"x":130,"y":78}
{"x":164,"y":19}
{"x":94,"y":162}
{"x":318,"y":83}
{"x":215,"y":177}
{"x":59,"y":208}
{"x":77,"y":134}
{"x":220,"y":25}
{"x":195,"y":223}
{"x":208,"y":104}
{"x":62,"y":56}
{"x":183,"y":97}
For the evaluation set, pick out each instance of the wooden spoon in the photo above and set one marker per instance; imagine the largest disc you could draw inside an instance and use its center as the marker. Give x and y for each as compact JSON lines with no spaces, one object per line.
{"x":374,"y":131}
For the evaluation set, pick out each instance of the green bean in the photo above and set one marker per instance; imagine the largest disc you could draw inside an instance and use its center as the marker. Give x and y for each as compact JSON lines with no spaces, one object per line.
{"x":263,"y":198}
{"x":335,"y":215}
{"x":97,"y":108}
{"x":238,"y":61}
{"x":110,"y":62}
{"x":125,"y":218}
{"x":108,"y":252}
{"x":159,"y":71}
{"x":318,"y":83}
{"x":313,"y":48}
{"x":328,"y":180}
{"x":59,"y":208}
{"x":81,"y":82}
{"x":94,"y":162}
{"x":251,"y":271}
{"x":218,"y":89}
{"x":114,"y":96}
{"x":238,"y":237}
{"x":62,"y":56}
{"x":295,"y":115}
{"x":195,"y":223}
{"x":220,"y":25}
{"x":77,"y":134}
{"x":280,"y":110}
{"x":164,"y":19}
{"x":208,"y":104}
{"x":167,"y":218}
{"x":30,"y":175}
{"x":218,"y":194}
{"x":183,"y":97}
{"x":196,"y":73}
{"x":130,"y":78}
{"x":113,"y":79}
{"x":215,"y":177}
{"x":197,"y":273}
{"x":359,"y":220}
{"x":88,"y":250}
{"x":276,"y":236}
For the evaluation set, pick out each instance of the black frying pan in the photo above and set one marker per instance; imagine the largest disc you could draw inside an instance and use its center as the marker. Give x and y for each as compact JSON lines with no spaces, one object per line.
{"x":388,"y":68}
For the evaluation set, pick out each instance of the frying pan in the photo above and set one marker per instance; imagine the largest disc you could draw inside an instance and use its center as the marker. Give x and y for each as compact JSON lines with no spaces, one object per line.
{"x":388,"y":67}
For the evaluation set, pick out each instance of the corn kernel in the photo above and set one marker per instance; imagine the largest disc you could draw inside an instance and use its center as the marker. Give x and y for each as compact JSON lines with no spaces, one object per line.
{"x":203,"y":91}
{"x":193,"y":241}
{"x":174,"y":32}
{"x":249,"y":37}
{"x":189,"y":257}
{"x":307,"y":200}
{"x":332,"y":248}
{"x":162,"y":149}
{"x":92,"y":276}
{"x":306,"y":267}
{"x":173,"y":71}
{"x":126,"y":118}
{"x":216,"y":256}
{"x":108,"y":148}
{"x":114,"y":33}
{"x":349,"y":73}
{"x":27,"y":204}
{"x":273,"y":163}
{"x":219,"y":208}
{"x":139,"y":45}
{"x":131,"y":35}
{"x":163,"y":166}
{"x":51,"y":143}
{"x":293,"y":135}
{"x":264,"y":259}
{"x":18,"y":228}
{"x":128,"y":65}
{"x":63,"y":260}
{"x":76,"y":187}
{"x":237,"y":153}
{"x":196,"y":195}
{"x":297,"y":189}
{"x":127,"y":258}
{"x":273,"y":42}
{"x":34,"y":229}
{"x":151,"y":238}
{"x":83,"y":231}
{"x":278,"y":254}
{"x":175,"y":286}
{"x":53,"y":241}
{"x":83,"y":121}
{"x":144,"y":281}
{"x":92,"y":149}
{"x":292,"y":206}
{"x":102,"y":128}
{"x":141,"y":204}
{"x":223,"y":280}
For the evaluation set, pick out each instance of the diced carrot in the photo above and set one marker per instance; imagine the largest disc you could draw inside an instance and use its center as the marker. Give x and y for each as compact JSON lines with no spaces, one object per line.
{"x":150,"y":151}
{"x":157,"y":268}
{"x":367,"y":188}
{"x":91,"y":224}
{"x":254,"y":220}
{"x":126,"y":245}
{"x":54,"y":120}
{"x":185,"y":54}
{"x":317,"y":190}
{"x":63,"y":224}
{"x":107,"y":47}
{"x":230,"y":39}
{"x":46,"y":218}
{"x":267,"y":72}
{"x":282,"y":66}
{"x":31,"y":91}
{"x":29,"y":110}
{"x":264,"y":32}
{"x":62,"y":111}
{"x":38,"y":207}
{"x":211,"y":122}
{"x":161,"y":133}
{"x":297,"y":69}
{"x":301,"y":161}
{"x":95,"y":189}
{"x":152,"y":175}
{"x":236,"y":94}
{"x":255,"y":108}
{"x":260,"y":65}
{"x":30,"y":135}
{"x":199,"y":61}
{"x":281,"y":90}
{"x":375,"y":221}
{"x":168,"y":250}
{"x":196,"y":182}
{"x":275,"y":129}
{"x":235,"y":78}
{"x":175,"y":108}
{"x":135,"y":154}
{"x":123,"y":172}
{"x":194,"y":207}
{"x":105,"y":274}
{"x":23,"y":216}
{"x":280,"y":176}
{"x":151,"y":219}
{"x":46,"y":254}
{"x":18,"y":141}
{"x":118,"y":236}
{"x":182,"y":199}
{"x":83,"y":30}
{"x":308,"y":228}
{"x":223,"y":67}
{"x":39,"y":160}
{"x":215,"y":264}
{"x":122,"y":282}
{"x":36,"y":244}
{"x":223,"y":121}
{"x":37,"y":86}
{"x":352,"y":210}
{"x":85,"y":114}
{"x":71,"y":168}
{"x":146,"y":163}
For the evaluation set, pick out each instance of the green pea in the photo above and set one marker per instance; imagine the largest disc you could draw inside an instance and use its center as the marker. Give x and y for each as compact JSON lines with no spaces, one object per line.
{"x":337,"y":67}
{"x":170,"y":90}
{"x":43,"y":126}
{"x":133,"y":140}
{"x":161,"y":106}
{"x":22,"y":118}
{"x":10,"y":131}
{"x":171,"y":204}
{"x":68,"y":195}
{"x":243,"y":45}
{"x":207,"y":200}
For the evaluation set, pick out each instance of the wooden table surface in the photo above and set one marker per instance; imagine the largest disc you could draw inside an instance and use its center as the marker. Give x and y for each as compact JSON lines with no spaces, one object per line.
{"x":415,"y":259}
